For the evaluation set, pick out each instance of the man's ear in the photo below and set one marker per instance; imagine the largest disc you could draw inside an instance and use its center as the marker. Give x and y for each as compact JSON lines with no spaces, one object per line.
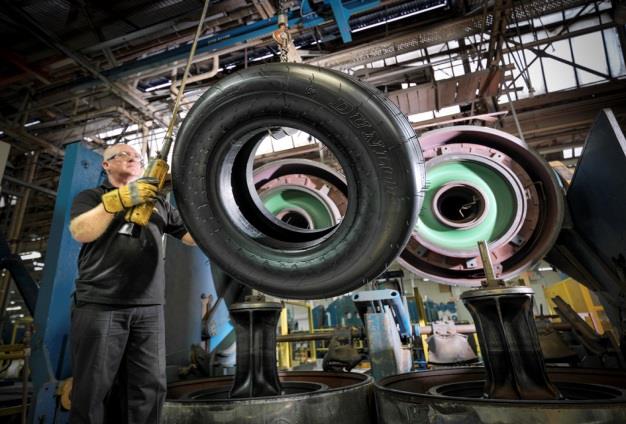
{"x":105,"y":165}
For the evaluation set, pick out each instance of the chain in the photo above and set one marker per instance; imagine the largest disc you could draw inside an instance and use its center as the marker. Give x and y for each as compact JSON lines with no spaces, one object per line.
{"x":281,"y":35}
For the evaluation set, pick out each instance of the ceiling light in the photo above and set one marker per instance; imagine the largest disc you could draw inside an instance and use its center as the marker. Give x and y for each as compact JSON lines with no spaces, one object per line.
{"x":397,"y":18}
{"x":27,"y":256}
{"x":267,"y":56}
{"x":156,"y":87}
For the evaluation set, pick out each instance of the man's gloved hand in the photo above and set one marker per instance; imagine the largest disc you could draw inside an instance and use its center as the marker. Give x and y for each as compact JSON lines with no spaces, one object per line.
{"x":132,"y":194}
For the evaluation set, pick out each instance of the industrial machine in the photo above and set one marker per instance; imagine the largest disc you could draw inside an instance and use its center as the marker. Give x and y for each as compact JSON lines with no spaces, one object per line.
{"x":258,"y":392}
{"x":389,"y":331}
{"x":483,"y":184}
{"x":298,"y":230}
{"x":514,"y":386}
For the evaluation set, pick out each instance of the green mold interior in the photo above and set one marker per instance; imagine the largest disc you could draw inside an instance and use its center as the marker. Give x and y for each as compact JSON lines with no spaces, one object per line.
{"x":499,"y":199}
{"x":280,"y":200}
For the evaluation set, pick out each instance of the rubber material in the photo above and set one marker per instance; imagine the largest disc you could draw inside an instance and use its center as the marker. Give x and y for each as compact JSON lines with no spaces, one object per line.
{"x":370,"y":137}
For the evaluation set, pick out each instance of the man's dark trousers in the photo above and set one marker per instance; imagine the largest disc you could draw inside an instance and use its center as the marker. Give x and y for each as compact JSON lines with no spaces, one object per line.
{"x":127,"y":342}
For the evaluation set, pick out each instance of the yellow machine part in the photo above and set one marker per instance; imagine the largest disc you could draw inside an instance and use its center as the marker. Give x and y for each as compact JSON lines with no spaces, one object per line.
{"x":582,"y":300}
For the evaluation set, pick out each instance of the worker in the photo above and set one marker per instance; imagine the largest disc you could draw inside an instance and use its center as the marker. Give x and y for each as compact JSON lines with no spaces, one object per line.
{"x":117,"y":328}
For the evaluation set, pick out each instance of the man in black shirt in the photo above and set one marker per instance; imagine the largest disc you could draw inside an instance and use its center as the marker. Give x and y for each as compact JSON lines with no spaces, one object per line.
{"x":117,"y":322}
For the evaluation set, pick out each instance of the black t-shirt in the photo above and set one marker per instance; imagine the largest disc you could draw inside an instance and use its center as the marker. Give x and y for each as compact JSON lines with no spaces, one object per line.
{"x":120,"y":269}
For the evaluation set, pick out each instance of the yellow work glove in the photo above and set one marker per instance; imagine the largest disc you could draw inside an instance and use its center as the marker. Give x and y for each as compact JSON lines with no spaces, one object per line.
{"x":132,"y":194}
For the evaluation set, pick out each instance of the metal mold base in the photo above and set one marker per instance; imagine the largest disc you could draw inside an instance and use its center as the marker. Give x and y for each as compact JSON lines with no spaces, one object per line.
{"x":344,"y":399}
{"x":408,"y":399}
{"x":522,"y":200}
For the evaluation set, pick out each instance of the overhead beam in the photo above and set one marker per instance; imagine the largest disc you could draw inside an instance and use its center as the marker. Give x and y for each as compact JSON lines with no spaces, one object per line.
{"x":89,"y":129}
{"x":21,"y":63}
{"x":553,"y":121}
{"x":433,"y":34}
{"x":20,"y":134}
{"x":98,"y":31}
{"x":35,"y":187}
{"x":545,"y":54}
{"x":49,"y":38}
{"x":159,"y":28}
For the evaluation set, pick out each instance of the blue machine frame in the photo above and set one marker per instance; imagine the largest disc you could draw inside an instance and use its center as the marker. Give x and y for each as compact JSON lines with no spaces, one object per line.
{"x":50,"y":358}
{"x":389,"y":298}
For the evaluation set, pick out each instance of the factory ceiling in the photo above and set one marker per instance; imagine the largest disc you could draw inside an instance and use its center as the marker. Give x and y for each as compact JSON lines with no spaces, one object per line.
{"x":102,"y":72}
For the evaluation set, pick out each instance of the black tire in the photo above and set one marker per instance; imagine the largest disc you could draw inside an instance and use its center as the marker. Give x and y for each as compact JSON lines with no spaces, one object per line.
{"x":370,"y":137}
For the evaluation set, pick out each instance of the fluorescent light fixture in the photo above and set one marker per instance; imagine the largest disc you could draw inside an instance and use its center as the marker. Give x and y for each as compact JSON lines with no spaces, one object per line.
{"x":156,"y":87}
{"x":27,"y":256}
{"x":1,"y":132}
{"x":397,"y":18}
{"x":14,"y":308}
{"x":231,"y":66}
{"x":545,"y":268}
{"x":30,"y":124}
{"x":267,"y":56}
{"x":422,"y":116}
{"x":117,"y":131}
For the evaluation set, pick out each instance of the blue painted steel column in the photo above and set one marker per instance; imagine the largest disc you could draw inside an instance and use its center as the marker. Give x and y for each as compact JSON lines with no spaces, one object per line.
{"x":81,"y":170}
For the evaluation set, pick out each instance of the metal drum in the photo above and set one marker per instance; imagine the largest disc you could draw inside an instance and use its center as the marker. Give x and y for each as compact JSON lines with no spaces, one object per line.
{"x":454,"y":395}
{"x":308,"y":398}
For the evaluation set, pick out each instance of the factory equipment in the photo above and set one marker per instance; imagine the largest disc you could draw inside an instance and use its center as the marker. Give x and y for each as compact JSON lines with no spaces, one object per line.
{"x":446,"y":346}
{"x":514,"y":386}
{"x":302,"y":193}
{"x":482,"y":184}
{"x":590,"y":247}
{"x":553,"y":347}
{"x":599,"y":350}
{"x":190,"y":281}
{"x":341,"y":354}
{"x":258,"y":393}
{"x":388,"y":329}
{"x":475,"y":175}
{"x":509,"y":341}
{"x":25,"y":284}
{"x":486,"y":184}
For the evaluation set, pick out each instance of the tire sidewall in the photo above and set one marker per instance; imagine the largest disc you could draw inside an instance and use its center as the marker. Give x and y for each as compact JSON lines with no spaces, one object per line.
{"x":363,"y":130}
